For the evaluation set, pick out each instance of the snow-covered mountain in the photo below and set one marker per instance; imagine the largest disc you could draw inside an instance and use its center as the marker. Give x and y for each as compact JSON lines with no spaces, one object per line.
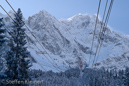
{"x":68,"y":41}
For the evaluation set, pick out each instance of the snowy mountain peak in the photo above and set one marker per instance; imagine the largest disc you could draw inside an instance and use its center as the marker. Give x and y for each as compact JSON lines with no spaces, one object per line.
{"x":69,"y":40}
{"x":2,"y":15}
{"x":43,"y":15}
{"x":11,"y":13}
{"x":79,"y":17}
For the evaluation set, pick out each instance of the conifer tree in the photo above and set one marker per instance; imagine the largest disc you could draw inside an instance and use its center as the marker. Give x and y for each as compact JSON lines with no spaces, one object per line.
{"x":18,"y":56}
{"x":2,"y":33}
{"x":2,"y":40}
{"x":126,"y":77}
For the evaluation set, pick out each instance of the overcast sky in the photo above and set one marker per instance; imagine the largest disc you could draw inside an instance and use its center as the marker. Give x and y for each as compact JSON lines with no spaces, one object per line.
{"x":63,"y":9}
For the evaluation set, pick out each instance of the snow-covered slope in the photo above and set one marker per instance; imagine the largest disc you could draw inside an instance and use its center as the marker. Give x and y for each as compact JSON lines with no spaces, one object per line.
{"x":69,"y":40}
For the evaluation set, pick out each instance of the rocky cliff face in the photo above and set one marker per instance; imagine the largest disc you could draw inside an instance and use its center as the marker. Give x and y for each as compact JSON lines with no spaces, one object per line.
{"x":69,"y":40}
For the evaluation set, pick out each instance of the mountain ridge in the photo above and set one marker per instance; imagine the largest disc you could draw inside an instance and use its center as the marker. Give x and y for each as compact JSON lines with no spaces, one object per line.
{"x":69,"y":40}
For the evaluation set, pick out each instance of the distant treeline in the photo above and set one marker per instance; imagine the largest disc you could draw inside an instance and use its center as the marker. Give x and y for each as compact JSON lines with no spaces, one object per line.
{"x":91,"y":77}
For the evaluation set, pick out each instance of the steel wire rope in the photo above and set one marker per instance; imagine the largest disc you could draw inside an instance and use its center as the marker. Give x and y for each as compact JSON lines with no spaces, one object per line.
{"x":105,"y":24}
{"x":94,"y":30}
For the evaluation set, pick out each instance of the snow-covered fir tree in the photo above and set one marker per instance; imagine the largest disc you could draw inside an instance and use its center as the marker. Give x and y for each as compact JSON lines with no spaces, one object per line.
{"x":2,"y":33}
{"x":2,"y":40}
{"x":18,"y":56}
{"x":126,"y":77}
